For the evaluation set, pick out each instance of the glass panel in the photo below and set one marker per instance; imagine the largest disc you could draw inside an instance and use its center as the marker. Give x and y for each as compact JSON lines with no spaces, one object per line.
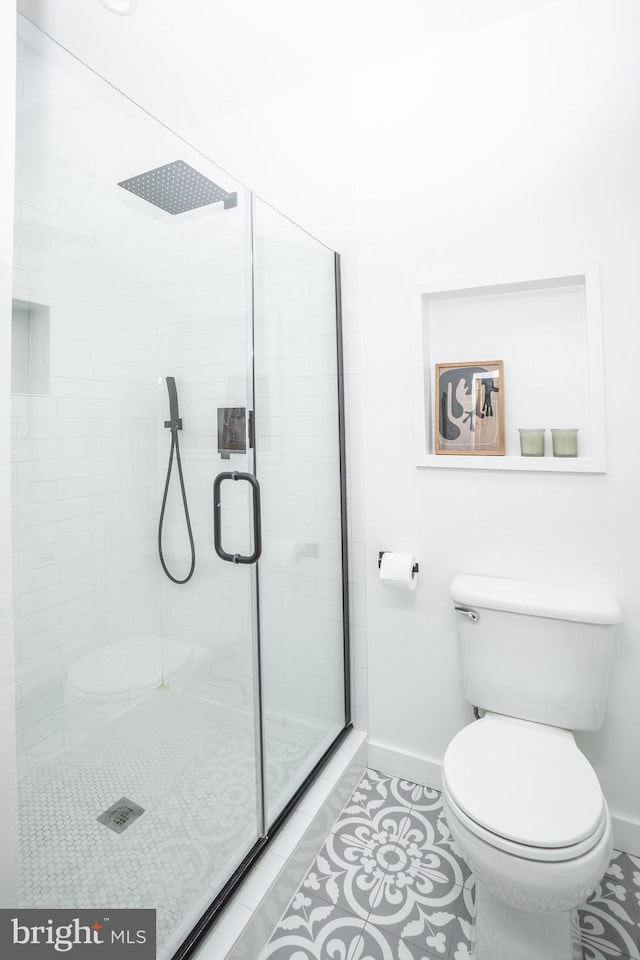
{"x":298,"y":465}
{"x":133,"y":690}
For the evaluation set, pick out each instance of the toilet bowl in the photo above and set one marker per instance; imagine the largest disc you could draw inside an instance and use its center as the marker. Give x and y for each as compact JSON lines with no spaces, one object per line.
{"x":524,"y":806}
{"x":527,"y":813}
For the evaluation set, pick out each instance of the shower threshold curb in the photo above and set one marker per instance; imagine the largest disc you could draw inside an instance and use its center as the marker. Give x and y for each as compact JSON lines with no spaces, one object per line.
{"x":244,"y":928}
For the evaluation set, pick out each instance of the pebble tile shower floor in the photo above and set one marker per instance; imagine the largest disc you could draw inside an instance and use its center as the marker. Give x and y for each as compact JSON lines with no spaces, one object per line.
{"x":389,"y":884}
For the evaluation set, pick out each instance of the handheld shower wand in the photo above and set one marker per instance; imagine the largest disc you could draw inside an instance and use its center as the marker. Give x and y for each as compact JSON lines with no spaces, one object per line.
{"x":174,"y":423}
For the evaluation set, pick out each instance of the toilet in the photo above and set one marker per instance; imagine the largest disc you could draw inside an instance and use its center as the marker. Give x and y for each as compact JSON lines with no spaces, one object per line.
{"x":523,"y":804}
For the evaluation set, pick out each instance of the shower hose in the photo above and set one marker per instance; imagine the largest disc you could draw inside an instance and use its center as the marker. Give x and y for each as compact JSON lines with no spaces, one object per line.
{"x":175,"y":448}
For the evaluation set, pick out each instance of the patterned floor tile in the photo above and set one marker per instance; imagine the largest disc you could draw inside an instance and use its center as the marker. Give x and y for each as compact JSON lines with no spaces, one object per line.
{"x":415,"y":795}
{"x":446,"y":840}
{"x":618,"y":868}
{"x":422,"y":861}
{"x":312,"y":929}
{"x":423,"y":798}
{"x":633,"y":880}
{"x":379,"y":944}
{"x":391,"y":863}
{"x":351,"y":865}
{"x":462,"y":940}
{"x":440,"y":926}
{"x":607,"y":926}
{"x":374,"y":792}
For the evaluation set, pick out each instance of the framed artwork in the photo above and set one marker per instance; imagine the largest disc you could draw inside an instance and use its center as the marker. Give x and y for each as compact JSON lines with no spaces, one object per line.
{"x":469,"y":408}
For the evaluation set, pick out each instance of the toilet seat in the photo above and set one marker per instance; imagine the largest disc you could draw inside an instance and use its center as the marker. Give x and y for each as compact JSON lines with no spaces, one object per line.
{"x":525,"y":851}
{"x":525,"y":788}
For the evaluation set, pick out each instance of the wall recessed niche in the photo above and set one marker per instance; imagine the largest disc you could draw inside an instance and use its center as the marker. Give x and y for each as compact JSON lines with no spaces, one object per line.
{"x":545,"y":326}
{"x":29,"y":347}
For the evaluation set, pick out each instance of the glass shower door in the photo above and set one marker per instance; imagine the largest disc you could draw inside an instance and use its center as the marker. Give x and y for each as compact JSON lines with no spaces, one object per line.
{"x":298,"y":450}
{"x":207,"y":623}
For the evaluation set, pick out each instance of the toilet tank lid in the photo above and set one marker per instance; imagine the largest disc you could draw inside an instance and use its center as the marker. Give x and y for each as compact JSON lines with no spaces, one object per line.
{"x":536,"y":599}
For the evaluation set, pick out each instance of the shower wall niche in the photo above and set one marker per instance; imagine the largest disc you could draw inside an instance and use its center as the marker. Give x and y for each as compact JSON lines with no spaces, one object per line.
{"x":29,"y":347}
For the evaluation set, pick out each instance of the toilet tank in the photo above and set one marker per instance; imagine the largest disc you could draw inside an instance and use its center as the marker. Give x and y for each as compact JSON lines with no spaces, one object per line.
{"x":535,"y":651}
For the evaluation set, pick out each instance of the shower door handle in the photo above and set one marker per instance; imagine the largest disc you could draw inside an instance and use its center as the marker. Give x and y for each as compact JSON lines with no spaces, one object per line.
{"x":217,"y":518}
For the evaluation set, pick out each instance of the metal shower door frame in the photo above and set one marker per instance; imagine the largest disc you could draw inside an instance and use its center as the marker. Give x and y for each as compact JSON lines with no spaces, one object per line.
{"x":258,"y":687}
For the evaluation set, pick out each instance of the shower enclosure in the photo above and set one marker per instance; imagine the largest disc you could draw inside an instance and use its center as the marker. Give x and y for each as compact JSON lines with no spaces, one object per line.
{"x":166,"y":723}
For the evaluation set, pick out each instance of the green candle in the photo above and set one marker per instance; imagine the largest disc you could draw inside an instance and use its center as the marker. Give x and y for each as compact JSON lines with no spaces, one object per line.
{"x":565,"y":442}
{"x":531,"y":442}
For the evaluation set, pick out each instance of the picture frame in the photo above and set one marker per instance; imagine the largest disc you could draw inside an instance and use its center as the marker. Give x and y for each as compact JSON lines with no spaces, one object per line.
{"x":469,"y":408}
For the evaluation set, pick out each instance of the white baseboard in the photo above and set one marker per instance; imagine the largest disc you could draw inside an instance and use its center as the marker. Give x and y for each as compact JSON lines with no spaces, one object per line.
{"x":407,"y":766}
{"x":626,"y":834}
{"x":410,"y":766}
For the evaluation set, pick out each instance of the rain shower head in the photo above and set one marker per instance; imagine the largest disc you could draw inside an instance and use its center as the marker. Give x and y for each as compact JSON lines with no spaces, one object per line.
{"x":176,"y":187}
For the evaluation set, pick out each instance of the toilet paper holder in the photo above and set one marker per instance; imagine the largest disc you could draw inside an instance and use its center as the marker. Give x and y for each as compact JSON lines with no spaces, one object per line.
{"x":415,"y":568}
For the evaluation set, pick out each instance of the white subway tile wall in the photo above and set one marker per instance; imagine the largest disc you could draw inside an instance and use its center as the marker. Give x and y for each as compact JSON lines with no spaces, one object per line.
{"x":84,"y":454}
{"x":204,"y":315}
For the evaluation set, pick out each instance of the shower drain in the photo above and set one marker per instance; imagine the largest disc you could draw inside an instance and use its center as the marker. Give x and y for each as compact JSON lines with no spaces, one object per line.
{"x":120,"y":814}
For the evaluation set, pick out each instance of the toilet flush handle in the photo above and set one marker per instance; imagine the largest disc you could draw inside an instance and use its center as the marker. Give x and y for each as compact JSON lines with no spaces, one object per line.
{"x":472,"y":614}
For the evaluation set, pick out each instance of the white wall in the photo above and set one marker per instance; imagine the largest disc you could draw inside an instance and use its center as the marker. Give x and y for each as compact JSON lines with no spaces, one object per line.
{"x":7,"y":702}
{"x":297,"y":153}
{"x":512,"y":147}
